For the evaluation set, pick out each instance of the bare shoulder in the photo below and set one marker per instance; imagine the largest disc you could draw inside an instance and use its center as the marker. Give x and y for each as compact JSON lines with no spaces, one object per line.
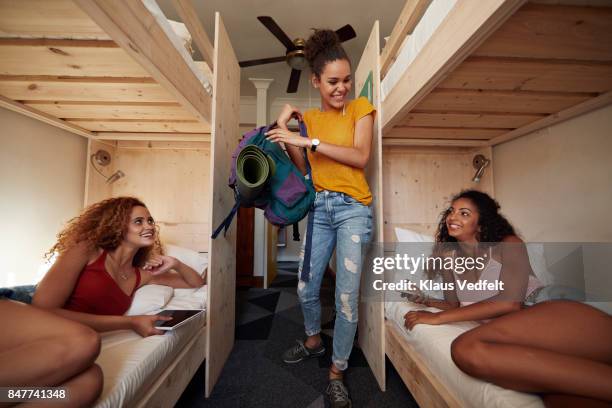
{"x":512,"y":239}
{"x":83,"y":253}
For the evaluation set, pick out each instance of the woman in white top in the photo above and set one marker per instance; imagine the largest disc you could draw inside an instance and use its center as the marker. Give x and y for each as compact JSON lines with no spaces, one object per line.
{"x":561,"y":349}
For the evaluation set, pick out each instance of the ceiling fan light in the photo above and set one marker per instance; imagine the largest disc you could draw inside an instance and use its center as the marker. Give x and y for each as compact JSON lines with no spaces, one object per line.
{"x":298,"y":62}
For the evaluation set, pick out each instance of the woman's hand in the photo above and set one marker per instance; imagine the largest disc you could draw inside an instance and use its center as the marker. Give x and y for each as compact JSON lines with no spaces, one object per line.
{"x":283,"y":135}
{"x":159,"y":264}
{"x":286,"y":114}
{"x":415,"y":317}
{"x":145,"y":324}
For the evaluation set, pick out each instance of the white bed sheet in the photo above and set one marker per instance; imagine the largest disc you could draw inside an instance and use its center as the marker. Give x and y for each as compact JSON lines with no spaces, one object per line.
{"x":129,"y":361}
{"x":433,"y":344}
{"x":414,"y":43}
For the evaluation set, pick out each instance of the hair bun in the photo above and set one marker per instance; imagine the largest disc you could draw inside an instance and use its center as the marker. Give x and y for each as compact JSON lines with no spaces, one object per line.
{"x":319,"y":41}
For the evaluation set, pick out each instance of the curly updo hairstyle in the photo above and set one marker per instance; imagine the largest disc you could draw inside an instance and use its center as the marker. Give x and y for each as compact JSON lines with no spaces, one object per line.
{"x":494,"y":227}
{"x":322,"y":47}
{"x":103,"y":225}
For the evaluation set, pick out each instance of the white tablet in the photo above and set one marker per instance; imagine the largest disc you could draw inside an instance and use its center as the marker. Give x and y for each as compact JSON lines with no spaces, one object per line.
{"x":179,"y":317}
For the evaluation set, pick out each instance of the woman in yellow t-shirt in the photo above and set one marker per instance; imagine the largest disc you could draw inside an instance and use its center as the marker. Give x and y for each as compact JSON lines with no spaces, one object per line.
{"x":338,"y":148}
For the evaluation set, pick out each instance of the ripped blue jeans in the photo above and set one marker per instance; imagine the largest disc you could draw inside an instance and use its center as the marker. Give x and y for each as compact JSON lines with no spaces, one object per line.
{"x":343,"y":223}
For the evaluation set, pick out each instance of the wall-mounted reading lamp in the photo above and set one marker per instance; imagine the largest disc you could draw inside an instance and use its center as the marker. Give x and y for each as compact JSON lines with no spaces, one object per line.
{"x":103,"y":158}
{"x":480,"y":163}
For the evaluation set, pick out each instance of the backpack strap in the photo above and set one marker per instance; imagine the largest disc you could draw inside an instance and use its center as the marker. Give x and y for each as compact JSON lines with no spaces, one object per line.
{"x":305,"y":273}
{"x":304,"y":133}
{"x":296,"y":231}
{"x":227,"y":221}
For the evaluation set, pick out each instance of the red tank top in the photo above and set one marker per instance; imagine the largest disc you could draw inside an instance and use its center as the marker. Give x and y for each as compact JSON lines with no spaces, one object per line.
{"x":97,"y":292}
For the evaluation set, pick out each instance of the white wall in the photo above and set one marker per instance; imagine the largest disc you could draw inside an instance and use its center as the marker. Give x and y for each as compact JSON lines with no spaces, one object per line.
{"x":42,"y":180}
{"x":555,"y":184}
{"x":248,"y":107}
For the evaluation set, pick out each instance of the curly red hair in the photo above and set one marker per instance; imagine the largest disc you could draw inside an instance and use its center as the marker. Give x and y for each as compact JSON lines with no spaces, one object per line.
{"x":103,"y":225}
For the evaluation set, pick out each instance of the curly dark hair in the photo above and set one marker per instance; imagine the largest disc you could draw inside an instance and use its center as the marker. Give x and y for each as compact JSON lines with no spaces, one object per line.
{"x":103,"y":225}
{"x":494,"y":227}
{"x":323,"y":46}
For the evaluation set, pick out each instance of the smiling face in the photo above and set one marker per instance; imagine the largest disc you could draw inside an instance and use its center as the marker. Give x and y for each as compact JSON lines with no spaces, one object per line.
{"x":462,"y":220}
{"x":141,"y":228}
{"x":334,"y":84}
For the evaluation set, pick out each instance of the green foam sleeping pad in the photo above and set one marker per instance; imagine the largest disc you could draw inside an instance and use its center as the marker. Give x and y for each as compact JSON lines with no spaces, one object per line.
{"x":253,"y":169}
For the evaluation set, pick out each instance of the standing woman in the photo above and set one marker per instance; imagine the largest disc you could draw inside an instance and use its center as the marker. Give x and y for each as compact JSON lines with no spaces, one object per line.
{"x":338,"y":148}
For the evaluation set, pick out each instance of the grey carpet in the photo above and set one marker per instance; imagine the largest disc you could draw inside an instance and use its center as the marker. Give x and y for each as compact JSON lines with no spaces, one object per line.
{"x":267,"y":322}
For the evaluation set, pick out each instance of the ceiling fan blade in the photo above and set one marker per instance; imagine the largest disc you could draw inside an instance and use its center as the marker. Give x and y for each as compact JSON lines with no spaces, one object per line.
{"x":261,"y":61}
{"x":346,"y":33}
{"x":277,"y":31}
{"x":294,"y":81}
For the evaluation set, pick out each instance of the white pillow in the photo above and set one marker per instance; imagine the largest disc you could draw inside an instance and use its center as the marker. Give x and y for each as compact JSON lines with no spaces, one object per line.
{"x":195,"y":260}
{"x":188,"y":298}
{"x":406,"y":235}
{"x":534,"y":251}
{"x":538,"y":263}
{"x":149,"y":298}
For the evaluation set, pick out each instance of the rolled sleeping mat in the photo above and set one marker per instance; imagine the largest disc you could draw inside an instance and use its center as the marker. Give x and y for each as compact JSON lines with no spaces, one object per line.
{"x":253,"y":169}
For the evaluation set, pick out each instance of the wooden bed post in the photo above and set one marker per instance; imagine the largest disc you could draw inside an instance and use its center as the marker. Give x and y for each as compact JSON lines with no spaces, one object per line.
{"x":222,"y":264}
{"x":371,"y":312}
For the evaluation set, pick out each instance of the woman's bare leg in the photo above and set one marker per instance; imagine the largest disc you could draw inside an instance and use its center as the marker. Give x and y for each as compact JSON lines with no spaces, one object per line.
{"x":560,"y":347}
{"x":43,"y":349}
{"x":83,"y":390}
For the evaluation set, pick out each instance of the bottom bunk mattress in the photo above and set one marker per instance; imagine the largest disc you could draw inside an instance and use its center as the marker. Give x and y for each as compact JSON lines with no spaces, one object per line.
{"x":131,"y":363}
{"x":433,"y":345}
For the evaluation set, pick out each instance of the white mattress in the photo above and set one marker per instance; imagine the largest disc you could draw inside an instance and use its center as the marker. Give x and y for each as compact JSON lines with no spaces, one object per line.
{"x":414,"y":43}
{"x":433,"y":343}
{"x":130,"y":362}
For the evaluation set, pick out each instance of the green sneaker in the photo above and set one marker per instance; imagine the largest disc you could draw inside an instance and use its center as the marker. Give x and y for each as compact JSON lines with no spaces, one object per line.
{"x":300,"y":352}
{"x":338,"y":394}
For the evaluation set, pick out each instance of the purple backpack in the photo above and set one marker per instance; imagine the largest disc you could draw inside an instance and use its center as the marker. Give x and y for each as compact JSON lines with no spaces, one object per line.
{"x":286,"y":196}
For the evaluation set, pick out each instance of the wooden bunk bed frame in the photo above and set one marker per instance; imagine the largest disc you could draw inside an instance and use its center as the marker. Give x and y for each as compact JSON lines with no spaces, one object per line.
{"x":497,"y":70}
{"x":102,"y":69}
{"x":492,"y":72}
{"x":115,"y":73}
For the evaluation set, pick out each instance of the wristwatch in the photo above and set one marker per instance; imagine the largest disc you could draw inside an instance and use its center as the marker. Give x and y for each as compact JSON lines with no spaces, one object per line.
{"x":314,"y":144}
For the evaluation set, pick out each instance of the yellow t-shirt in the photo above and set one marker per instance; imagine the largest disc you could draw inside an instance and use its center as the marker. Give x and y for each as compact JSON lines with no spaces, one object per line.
{"x":335,"y":128}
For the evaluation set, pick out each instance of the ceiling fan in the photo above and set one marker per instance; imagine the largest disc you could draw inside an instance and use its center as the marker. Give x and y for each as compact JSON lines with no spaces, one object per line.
{"x":294,"y":56}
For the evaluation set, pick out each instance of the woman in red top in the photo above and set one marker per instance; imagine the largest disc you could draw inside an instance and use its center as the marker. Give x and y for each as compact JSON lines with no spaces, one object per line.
{"x":105,"y":254}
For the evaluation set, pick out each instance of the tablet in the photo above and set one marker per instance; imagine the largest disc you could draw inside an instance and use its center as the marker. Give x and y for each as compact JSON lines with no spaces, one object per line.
{"x":179,"y":317}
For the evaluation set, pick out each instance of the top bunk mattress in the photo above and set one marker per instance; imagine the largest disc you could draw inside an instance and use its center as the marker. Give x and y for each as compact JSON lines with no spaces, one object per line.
{"x":433,"y":344}
{"x":414,"y":43}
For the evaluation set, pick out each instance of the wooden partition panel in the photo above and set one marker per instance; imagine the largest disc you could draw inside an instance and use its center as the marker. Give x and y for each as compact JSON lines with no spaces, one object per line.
{"x":173,"y":179}
{"x":222,"y":266}
{"x":371,"y":311}
{"x":419,"y":182}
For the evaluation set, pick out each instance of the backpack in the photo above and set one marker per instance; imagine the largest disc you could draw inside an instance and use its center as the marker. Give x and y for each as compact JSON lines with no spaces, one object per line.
{"x":287,"y":195}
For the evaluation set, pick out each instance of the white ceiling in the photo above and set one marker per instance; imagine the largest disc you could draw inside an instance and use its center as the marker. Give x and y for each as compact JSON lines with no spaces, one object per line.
{"x":251,"y":40}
